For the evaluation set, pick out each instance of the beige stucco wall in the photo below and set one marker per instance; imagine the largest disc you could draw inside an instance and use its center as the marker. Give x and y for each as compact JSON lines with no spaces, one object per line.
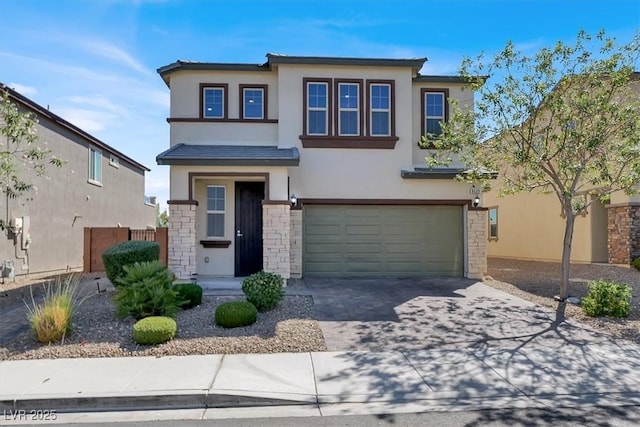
{"x":530,"y":227}
{"x":179,"y":178}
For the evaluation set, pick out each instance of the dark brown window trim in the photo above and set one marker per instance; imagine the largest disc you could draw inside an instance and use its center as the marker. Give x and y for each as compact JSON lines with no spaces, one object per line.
{"x":182,"y":202}
{"x":204,"y":120}
{"x":225,"y":100}
{"x":375,"y":142}
{"x":329,"y":83}
{"x":215,"y":243}
{"x":336,"y":94}
{"x":265,"y":101}
{"x":392,"y":106}
{"x":423,"y":91}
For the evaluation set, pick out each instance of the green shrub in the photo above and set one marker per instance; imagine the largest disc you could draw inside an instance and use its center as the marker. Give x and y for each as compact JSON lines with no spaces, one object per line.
{"x":607,"y":298}
{"x":51,"y":319}
{"x":233,"y":314}
{"x":190,"y":293}
{"x":264,"y":290}
{"x":151,"y":294}
{"x":636,"y":263}
{"x":125,"y":253}
{"x":154,"y":330}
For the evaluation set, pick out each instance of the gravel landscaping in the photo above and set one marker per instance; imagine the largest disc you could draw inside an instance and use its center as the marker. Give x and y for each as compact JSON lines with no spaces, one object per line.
{"x":98,"y":333}
{"x":538,"y":282}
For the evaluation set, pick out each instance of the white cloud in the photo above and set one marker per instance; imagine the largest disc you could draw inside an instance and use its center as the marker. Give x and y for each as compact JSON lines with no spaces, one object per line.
{"x":23,"y":89}
{"x":112,"y":53}
{"x":99,"y":102}
{"x":87,"y":120}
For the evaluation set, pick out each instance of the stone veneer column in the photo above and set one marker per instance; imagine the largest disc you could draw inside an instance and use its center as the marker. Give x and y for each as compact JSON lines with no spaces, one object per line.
{"x":296,"y":244}
{"x":182,"y":240}
{"x":276,"y":229}
{"x":476,"y":243}
{"x":623,"y":231}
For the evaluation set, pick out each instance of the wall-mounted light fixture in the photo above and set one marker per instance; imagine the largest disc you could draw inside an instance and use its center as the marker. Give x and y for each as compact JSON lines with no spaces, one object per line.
{"x":476,"y":201}
{"x":293,"y":200}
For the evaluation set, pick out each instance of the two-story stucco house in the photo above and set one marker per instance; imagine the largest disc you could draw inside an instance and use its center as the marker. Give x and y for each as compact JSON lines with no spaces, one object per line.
{"x":98,"y":186}
{"x":309,"y":166}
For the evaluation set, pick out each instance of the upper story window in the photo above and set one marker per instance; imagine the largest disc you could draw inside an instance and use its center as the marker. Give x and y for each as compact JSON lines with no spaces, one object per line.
{"x":434,"y":111}
{"x":214,"y":101}
{"x":253,"y":102}
{"x":216,"y":195}
{"x":95,"y":166}
{"x":317,"y":107}
{"x":349,"y":112}
{"x":340,"y":113}
{"x":379,"y":109}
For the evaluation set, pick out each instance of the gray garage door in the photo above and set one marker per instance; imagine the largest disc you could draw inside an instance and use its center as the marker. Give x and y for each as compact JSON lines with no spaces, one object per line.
{"x":382,"y":240}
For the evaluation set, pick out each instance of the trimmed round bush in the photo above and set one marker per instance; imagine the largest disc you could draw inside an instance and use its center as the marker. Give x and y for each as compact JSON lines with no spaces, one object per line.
{"x":125,"y":253}
{"x":190,"y":293}
{"x":234,"y":314}
{"x":264,"y":290}
{"x":154,"y":330}
{"x":636,"y":263}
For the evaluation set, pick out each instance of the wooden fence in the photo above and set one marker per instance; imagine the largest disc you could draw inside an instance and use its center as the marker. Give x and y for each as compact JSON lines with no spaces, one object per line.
{"x":97,"y":239}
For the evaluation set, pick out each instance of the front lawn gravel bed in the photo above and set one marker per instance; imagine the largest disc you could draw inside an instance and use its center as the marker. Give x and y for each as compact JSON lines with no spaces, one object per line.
{"x":538,"y":282}
{"x":97,"y":333}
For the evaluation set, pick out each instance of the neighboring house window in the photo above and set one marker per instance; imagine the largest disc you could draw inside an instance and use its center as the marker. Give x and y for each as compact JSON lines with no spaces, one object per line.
{"x":253,"y":102}
{"x":434,"y":111}
{"x":317,"y":107}
{"x":215,"y":210}
{"x":214,"y":101}
{"x":493,"y":223}
{"x":95,"y":166}
{"x":380,"y":109}
{"x":348,"y":109}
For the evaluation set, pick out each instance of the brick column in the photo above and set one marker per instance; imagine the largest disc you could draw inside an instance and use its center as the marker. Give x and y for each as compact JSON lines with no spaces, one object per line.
{"x":476,"y":243}
{"x":623,"y":231}
{"x":296,"y":244}
{"x":182,"y":240}
{"x":276,"y":229}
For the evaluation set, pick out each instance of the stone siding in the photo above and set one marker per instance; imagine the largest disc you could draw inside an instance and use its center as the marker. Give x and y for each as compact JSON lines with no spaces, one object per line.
{"x":296,"y":244}
{"x":182,"y":240}
{"x":276,"y":230}
{"x":623,"y":234}
{"x":476,"y":243}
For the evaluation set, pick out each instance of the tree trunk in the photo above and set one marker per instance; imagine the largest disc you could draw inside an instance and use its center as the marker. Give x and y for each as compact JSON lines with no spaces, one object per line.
{"x":566,"y":254}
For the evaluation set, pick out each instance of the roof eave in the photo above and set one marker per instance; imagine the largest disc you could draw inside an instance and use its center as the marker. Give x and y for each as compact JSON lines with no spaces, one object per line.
{"x":169,"y":161}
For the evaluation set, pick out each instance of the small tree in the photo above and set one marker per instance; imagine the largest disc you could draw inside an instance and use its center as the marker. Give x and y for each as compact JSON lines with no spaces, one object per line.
{"x":19,"y":150}
{"x":564,"y":121}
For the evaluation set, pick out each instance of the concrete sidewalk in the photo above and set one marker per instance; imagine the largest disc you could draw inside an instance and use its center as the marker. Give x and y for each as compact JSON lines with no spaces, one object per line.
{"x":333,"y":382}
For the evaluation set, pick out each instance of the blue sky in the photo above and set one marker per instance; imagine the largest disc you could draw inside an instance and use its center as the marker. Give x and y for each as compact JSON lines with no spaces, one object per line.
{"x":94,"y":62}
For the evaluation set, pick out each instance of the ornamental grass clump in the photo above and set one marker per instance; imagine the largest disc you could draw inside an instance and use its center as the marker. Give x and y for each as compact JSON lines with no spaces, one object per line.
{"x":264,"y":290}
{"x":606,"y":298}
{"x":51,"y":320}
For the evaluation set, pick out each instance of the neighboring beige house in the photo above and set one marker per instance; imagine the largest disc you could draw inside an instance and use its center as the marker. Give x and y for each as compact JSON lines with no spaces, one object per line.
{"x":97,"y":187}
{"x":530,"y":226}
{"x":310,"y":166}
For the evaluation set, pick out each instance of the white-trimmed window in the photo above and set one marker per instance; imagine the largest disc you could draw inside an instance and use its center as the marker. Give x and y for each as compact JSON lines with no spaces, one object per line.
{"x":380,"y":109}
{"x":348,"y":109}
{"x":253,"y":103}
{"x":434,"y":110}
{"x":95,"y":166}
{"x":317,"y":104}
{"x":214,"y":102}
{"x":493,"y":223}
{"x":216,"y":196}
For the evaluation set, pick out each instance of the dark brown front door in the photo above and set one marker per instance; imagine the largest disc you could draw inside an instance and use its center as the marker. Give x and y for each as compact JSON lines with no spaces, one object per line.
{"x":248,"y":235}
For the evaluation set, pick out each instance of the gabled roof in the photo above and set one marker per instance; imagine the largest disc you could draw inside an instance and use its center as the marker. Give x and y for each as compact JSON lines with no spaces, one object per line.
{"x":231,"y":155}
{"x":277,"y":59}
{"x":44,"y":112}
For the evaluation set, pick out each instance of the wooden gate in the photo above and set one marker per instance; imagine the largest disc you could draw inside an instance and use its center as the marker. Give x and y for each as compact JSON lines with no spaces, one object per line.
{"x":98,"y":239}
